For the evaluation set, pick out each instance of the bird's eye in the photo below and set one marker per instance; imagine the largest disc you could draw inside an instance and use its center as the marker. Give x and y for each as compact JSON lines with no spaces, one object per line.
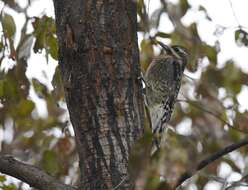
{"x":180,"y":50}
{"x":177,"y":49}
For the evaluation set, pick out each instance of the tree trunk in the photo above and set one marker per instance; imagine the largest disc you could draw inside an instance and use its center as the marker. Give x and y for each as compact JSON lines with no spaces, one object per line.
{"x":99,"y":63}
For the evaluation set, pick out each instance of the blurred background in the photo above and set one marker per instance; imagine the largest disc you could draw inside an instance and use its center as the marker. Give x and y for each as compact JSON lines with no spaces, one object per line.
{"x":212,"y":107}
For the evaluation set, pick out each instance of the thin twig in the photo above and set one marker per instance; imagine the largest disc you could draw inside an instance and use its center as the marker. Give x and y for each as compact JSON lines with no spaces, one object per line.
{"x":145,"y":19}
{"x":195,"y":104}
{"x":234,"y":14}
{"x":205,"y":162}
{"x":242,"y":182}
{"x":122,"y":181}
{"x":148,"y":8}
{"x":192,"y":79}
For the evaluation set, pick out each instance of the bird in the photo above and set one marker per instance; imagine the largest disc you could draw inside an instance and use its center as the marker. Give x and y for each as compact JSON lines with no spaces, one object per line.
{"x":162,"y":83}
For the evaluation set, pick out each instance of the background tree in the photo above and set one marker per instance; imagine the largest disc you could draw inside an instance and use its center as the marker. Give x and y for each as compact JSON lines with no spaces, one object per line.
{"x":208,"y":108}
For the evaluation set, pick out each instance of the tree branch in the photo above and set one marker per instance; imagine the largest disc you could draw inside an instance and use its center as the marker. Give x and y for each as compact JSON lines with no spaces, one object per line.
{"x":203,"y":108}
{"x":13,"y":5}
{"x":30,"y":174}
{"x":210,"y":159}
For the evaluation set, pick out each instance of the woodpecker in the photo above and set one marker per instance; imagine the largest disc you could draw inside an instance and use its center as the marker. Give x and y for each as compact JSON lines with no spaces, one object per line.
{"x":163,"y":80}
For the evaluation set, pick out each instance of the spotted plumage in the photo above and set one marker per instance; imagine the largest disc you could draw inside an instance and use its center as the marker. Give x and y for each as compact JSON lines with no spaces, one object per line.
{"x":163,"y":80}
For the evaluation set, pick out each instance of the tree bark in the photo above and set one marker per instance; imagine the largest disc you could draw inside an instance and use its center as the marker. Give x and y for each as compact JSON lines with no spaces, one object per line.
{"x":99,"y":63}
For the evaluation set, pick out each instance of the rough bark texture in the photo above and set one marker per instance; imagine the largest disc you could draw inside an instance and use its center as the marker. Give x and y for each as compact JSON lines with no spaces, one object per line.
{"x":99,"y":62}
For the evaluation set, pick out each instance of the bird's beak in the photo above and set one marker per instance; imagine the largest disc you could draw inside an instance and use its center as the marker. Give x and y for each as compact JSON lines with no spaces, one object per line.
{"x":168,"y":49}
{"x":165,"y":47}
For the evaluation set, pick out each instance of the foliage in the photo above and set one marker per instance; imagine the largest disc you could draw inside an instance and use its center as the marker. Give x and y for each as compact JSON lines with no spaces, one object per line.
{"x":41,"y":140}
{"x":211,"y":114}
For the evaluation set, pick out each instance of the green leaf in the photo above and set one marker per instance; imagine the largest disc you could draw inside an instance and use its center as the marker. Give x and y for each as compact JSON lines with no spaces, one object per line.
{"x":58,"y":92}
{"x":184,"y":5}
{"x":9,"y":26}
{"x":241,"y":121}
{"x":163,"y":185}
{"x":2,"y":178}
{"x":152,"y":182}
{"x":241,"y":37}
{"x":237,"y":34}
{"x":53,"y":47}
{"x":201,"y":8}
{"x":211,"y":53}
{"x":146,"y":53}
{"x":9,"y":187}
{"x":10,"y":88}
{"x":50,"y":162}
{"x":1,"y":46}
{"x":39,"y":43}
{"x":163,"y":35}
{"x":1,"y":88}
{"x":140,"y":4}
{"x":25,"y":107}
{"x":44,"y":31}
{"x":233,"y":82}
{"x":39,"y":88}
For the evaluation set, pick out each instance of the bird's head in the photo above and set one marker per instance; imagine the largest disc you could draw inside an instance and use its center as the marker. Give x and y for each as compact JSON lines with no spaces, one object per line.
{"x":180,"y":53}
{"x":177,"y":51}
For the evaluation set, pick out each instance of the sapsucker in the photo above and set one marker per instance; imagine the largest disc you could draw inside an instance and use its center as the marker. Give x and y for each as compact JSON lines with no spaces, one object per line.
{"x":163,"y":80}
